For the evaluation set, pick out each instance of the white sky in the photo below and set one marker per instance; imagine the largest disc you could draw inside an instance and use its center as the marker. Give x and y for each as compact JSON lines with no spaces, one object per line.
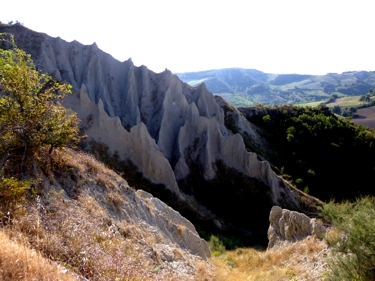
{"x":274,"y":36}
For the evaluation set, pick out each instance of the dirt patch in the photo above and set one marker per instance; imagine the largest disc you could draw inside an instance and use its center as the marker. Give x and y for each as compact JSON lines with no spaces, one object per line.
{"x":366,"y":117}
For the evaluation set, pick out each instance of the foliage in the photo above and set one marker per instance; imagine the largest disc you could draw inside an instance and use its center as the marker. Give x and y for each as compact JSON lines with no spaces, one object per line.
{"x":349,"y":112}
{"x":354,"y":245}
{"x":12,"y":194}
{"x":332,"y":98}
{"x":365,"y":98}
{"x":31,"y":116}
{"x":216,"y":246}
{"x":336,"y":109}
{"x":267,"y":118}
{"x":330,"y":156}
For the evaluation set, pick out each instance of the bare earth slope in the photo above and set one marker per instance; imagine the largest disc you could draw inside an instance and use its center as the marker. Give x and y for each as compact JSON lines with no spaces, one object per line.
{"x":168,"y":130}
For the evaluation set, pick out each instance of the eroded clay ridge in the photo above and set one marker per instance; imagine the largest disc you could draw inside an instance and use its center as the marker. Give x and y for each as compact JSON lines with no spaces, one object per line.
{"x":153,"y":119}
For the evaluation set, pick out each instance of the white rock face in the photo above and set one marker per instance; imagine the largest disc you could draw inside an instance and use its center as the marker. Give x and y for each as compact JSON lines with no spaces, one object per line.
{"x":178,"y":229}
{"x":136,"y":145}
{"x":154,"y":216}
{"x":291,"y":226}
{"x":152,"y":119}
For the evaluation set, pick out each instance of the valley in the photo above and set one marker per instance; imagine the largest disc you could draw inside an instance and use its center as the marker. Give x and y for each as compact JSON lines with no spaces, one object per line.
{"x":169,"y":181}
{"x":248,"y":87}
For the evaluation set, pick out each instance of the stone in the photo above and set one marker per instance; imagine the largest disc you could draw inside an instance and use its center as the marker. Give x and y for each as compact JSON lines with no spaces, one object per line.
{"x":291,"y":226}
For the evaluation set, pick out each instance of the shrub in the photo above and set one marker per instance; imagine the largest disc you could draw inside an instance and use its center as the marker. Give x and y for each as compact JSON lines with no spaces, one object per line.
{"x":216,"y":245}
{"x":31,"y":116}
{"x":354,"y":246}
{"x":12,"y":195}
{"x":267,"y":118}
{"x":336,"y":109}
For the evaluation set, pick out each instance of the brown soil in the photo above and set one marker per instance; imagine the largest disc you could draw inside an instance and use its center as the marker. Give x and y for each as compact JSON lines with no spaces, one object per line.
{"x":366,"y":117}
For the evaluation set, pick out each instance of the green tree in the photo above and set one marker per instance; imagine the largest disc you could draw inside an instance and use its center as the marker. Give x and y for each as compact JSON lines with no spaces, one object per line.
{"x":267,"y":118}
{"x":31,"y":117}
{"x":336,"y":109}
{"x":365,"y":98}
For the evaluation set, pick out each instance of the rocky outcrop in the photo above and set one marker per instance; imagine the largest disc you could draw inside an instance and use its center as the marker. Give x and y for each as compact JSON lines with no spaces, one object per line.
{"x":291,"y":226}
{"x":127,"y":206}
{"x":160,"y":124}
{"x":141,"y":209}
{"x":174,"y":226}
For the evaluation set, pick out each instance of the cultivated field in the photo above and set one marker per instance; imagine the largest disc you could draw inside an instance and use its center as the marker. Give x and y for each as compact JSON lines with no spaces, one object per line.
{"x":366,"y":117}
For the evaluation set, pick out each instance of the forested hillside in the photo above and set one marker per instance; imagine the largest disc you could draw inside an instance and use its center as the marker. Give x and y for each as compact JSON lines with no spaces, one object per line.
{"x":327,"y":156}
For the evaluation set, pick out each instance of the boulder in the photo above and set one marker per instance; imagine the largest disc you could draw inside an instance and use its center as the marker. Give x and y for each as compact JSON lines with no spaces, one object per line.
{"x":291,"y":226}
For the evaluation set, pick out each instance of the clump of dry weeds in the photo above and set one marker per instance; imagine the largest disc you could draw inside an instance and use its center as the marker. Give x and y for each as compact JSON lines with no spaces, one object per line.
{"x":18,"y":261}
{"x":303,"y":260}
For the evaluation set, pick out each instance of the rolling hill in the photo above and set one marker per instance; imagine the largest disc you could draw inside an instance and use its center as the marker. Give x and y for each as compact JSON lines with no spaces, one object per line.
{"x":247,"y":87}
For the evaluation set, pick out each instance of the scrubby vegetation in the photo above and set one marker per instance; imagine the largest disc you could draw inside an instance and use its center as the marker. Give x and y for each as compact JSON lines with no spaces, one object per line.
{"x":216,"y":246}
{"x":317,"y":151}
{"x":18,"y":261}
{"x":303,"y":260}
{"x":31,"y":118}
{"x":32,"y":124}
{"x":353,"y":241}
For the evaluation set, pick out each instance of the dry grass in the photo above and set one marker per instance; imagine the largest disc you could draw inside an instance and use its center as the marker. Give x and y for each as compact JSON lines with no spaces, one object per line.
{"x":81,"y":236}
{"x":74,"y":222}
{"x":19,"y":262}
{"x":297,"y":261}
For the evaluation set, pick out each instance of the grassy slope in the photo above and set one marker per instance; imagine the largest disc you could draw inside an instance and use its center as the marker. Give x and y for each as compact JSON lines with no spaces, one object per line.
{"x":18,"y":261}
{"x":71,"y":226}
{"x":303,"y":260}
{"x":344,"y":101}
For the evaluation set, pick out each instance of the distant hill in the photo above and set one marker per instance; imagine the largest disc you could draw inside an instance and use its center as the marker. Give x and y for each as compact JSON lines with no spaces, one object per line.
{"x":246,"y":87}
{"x":360,"y":108}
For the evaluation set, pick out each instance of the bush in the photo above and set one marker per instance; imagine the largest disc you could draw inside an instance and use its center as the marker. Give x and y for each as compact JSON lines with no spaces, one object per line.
{"x":216,"y":246}
{"x":354,"y":246}
{"x":31,"y":116}
{"x":12,"y":196}
{"x":336,"y":109}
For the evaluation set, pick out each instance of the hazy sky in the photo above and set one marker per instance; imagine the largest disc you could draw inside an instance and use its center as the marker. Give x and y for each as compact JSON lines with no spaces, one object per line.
{"x":274,"y":36}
